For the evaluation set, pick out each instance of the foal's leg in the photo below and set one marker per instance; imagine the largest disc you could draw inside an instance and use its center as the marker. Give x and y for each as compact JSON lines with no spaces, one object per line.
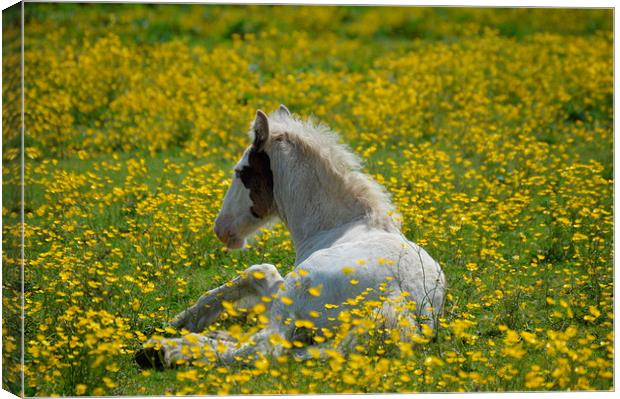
{"x":254,"y":282}
{"x":164,"y":353}
{"x":196,"y":349}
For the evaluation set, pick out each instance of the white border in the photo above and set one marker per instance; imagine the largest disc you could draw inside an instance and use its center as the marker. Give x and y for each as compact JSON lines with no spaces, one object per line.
{"x":479,"y":3}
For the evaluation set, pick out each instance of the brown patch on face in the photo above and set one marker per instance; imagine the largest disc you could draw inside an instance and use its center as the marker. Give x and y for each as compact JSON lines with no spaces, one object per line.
{"x":257,"y":178}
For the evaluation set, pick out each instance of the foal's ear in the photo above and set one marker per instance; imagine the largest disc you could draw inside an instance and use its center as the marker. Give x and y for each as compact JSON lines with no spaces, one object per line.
{"x":261,"y":130}
{"x":283,"y":111}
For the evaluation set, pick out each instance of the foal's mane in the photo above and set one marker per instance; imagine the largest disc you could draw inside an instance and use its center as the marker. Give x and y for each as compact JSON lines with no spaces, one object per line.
{"x":337,"y":163}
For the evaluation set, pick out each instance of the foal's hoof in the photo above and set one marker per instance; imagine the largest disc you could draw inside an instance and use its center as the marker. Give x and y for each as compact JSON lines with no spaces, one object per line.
{"x":150,"y":358}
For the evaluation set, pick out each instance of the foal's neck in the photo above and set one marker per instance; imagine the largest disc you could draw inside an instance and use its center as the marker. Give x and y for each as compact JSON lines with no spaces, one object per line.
{"x":315,"y":207}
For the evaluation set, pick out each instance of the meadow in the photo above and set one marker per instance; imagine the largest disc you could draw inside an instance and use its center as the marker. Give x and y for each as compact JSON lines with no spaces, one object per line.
{"x":491,"y":128}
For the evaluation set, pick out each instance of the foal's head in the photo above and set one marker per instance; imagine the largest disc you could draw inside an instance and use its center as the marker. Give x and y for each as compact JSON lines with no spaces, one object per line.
{"x":249,"y":203}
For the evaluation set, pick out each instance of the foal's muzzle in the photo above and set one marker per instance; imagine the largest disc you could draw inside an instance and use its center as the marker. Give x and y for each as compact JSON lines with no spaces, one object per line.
{"x":226,"y":233}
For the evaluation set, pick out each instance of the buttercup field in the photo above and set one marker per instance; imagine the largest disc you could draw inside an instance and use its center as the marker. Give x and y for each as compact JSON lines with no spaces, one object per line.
{"x":491,"y":129}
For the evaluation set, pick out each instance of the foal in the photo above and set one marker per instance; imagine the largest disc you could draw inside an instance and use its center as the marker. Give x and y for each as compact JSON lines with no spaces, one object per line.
{"x":344,"y":228}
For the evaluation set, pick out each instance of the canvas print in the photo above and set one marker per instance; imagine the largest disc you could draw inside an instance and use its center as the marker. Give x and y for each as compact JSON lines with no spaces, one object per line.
{"x":252,"y":199}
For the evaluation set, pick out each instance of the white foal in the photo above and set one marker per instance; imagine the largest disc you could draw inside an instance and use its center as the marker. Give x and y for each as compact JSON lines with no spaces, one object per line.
{"x":344,"y":228}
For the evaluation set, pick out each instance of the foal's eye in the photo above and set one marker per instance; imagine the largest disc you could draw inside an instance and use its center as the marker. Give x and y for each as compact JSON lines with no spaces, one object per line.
{"x":237,"y":174}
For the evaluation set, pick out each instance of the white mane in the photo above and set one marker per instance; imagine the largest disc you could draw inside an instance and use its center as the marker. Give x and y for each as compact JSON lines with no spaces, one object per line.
{"x":337,"y":167}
